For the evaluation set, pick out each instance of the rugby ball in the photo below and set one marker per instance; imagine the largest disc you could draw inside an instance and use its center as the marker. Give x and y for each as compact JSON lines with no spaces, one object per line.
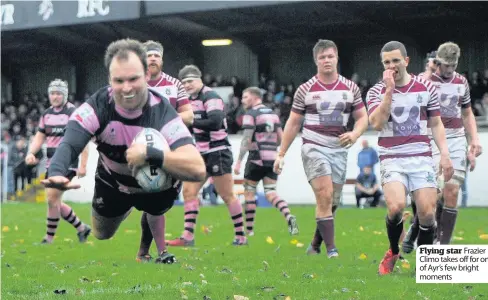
{"x":152,"y":179}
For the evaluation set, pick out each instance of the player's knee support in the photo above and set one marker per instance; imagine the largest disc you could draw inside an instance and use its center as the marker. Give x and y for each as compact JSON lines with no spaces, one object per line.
{"x":270,"y":187}
{"x":457,"y":178}
{"x":336,"y":198}
{"x":395,"y":219}
{"x":249,"y":187}
{"x":427,"y":220}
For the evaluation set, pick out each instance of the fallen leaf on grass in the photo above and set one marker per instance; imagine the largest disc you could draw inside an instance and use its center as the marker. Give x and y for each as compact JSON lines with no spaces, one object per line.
{"x":294,"y":242}
{"x":202,"y":276}
{"x":168,"y":235}
{"x":406,"y":265}
{"x":300,"y":245}
{"x":89,"y":243}
{"x":363,"y":256}
{"x":239,"y":297}
{"x":269,"y":240}
{"x":309,"y":276}
{"x":5,"y":229}
{"x":15,"y":275}
{"x":204,"y":282}
{"x":377,"y":232}
{"x":458,"y":238}
{"x":16,"y":228}
{"x":484,"y":236}
{"x":361,"y":228}
{"x":68,"y":240}
{"x":268,"y":288}
{"x":129,"y":231}
{"x":21,"y":241}
{"x":266,"y":265}
{"x":281,"y":296}
{"x":345,"y":290}
{"x":205,"y":229}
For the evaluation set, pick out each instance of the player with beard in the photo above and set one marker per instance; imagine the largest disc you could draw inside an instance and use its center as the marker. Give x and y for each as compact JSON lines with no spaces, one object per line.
{"x":325,"y":102}
{"x":210,"y":132}
{"x":165,"y":84}
{"x":402,"y":107}
{"x":115,"y":115}
{"x":458,"y":119}
{"x":262,"y":135}
{"x":172,"y":89}
{"x":51,"y":130}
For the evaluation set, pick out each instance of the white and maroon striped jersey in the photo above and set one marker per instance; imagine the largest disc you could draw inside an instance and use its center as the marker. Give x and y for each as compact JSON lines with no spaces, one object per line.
{"x":327,"y":108}
{"x":171,"y":88}
{"x":453,"y":95}
{"x":406,"y":133}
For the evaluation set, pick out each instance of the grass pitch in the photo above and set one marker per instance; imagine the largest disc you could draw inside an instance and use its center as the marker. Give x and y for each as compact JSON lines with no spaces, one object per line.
{"x":273,"y":266}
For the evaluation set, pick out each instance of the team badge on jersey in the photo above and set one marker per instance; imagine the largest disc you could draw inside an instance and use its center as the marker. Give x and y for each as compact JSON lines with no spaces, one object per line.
{"x":419,"y":99}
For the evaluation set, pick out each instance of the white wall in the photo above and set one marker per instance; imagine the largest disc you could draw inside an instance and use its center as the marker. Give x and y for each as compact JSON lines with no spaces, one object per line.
{"x":293,"y":185}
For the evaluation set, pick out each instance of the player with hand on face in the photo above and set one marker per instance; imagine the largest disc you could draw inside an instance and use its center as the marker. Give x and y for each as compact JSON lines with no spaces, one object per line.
{"x":402,"y":107}
{"x":461,"y":133}
{"x":115,"y":115}
{"x":51,"y":130}
{"x":325,"y":102}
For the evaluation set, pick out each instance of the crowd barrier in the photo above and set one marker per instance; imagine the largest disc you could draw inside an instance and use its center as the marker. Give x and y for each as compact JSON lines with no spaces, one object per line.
{"x":292,"y":184}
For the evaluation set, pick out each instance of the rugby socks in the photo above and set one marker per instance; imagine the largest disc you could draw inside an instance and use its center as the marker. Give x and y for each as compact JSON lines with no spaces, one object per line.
{"x":69,"y":216}
{"x":446,"y":225}
{"x":157,"y":225}
{"x":146,"y":236}
{"x":250,"y":214}
{"x":317,"y":238}
{"x":426,"y":235}
{"x":279,"y":204}
{"x":438,"y":213}
{"x":235,"y":210}
{"x":326,"y":228}
{"x":394,"y":228}
{"x":191,"y":213}
{"x":53,"y":216}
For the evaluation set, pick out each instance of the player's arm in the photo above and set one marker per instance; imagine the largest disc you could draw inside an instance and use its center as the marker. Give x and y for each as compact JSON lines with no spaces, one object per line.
{"x":249,"y":126}
{"x":32,"y":157}
{"x":380,"y":112}
{"x":469,"y":123}
{"x":439,"y":135}
{"x":245,"y":143}
{"x":183,"y":105}
{"x":186,"y":113}
{"x":362,"y":122}
{"x":185,"y":163}
{"x":292,"y":127}
{"x":182,"y":161}
{"x":279,"y":131}
{"x":83,"y":124}
{"x":83,"y":162}
{"x":215,"y":116}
